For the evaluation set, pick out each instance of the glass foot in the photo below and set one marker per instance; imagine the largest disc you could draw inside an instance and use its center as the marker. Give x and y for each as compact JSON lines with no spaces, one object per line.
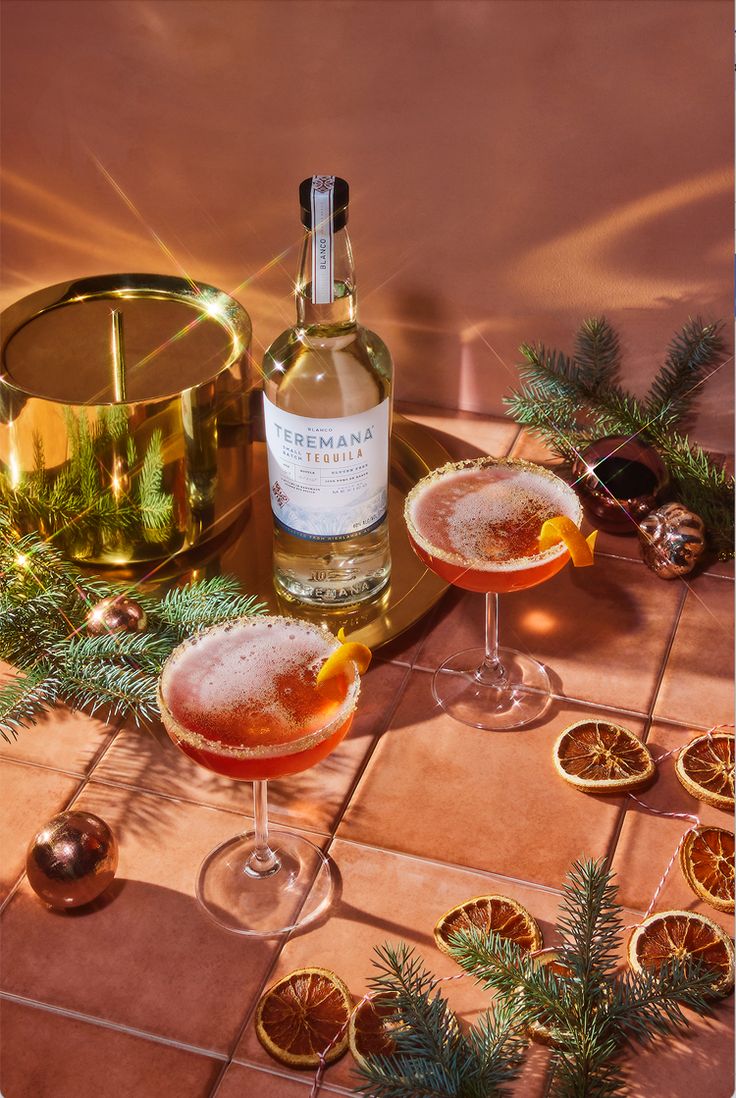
{"x":245,"y":901}
{"x":471,"y":698}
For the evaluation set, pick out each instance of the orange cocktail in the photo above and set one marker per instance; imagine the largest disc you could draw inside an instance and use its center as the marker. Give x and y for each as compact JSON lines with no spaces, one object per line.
{"x":478,"y":525}
{"x":242,"y":699}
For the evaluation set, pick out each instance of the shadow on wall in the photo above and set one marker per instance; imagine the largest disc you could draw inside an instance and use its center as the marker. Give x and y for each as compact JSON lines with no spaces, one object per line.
{"x":492,"y":200}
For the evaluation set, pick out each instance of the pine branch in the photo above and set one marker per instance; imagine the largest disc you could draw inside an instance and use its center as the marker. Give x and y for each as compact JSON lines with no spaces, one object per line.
{"x":190,"y":608}
{"x":141,"y":651}
{"x":590,"y":926}
{"x":23,"y":698}
{"x":650,"y":1003}
{"x":597,"y":354}
{"x":497,"y":1043}
{"x":571,"y":402}
{"x":156,"y":505}
{"x":550,"y":372}
{"x":591,"y":1012}
{"x":584,"y":1068}
{"x":433,"y":1057}
{"x":44,"y":603}
{"x":117,"y":689}
{"x":676,"y":385}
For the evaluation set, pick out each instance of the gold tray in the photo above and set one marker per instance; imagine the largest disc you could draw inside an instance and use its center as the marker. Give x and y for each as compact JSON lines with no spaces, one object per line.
{"x":246,"y":551}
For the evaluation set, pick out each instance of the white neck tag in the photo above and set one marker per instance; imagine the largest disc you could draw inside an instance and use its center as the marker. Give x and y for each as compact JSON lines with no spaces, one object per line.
{"x":322,"y":243}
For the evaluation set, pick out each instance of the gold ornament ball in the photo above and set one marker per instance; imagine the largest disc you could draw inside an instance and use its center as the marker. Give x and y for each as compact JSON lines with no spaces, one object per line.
{"x":72,"y":859}
{"x":117,"y":614}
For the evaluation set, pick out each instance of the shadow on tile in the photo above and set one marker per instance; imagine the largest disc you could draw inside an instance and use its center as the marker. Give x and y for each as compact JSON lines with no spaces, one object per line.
{"x":148,"y":958}
{"x":698,"y":1061}
{"x":48,"y":1055}
{"x":603,"y":631}
{"x":387,"y":896}
{"x":313,"y":799}
{"x":30,"y":796}
{"x":493,"y":801}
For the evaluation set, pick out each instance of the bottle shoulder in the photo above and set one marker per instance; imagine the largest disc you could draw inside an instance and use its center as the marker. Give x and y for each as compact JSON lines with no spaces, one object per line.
{"x":341,"y":373}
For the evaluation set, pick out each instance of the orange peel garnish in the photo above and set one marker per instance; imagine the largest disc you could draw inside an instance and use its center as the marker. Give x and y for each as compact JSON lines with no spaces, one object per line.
{"x":562,"y":528}
{"x":349,"y":652}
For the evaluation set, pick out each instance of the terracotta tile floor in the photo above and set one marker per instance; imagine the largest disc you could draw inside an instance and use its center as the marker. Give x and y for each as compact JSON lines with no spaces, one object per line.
{"x":140,"y":994}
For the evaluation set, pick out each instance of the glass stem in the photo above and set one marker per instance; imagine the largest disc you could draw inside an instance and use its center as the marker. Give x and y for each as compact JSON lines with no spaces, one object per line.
{"x":492,"y":672}
{"x":263,"y":861}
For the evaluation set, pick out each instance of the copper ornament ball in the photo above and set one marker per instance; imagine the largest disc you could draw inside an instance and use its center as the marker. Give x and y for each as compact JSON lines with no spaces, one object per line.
{"x":117,"y":614}
{"x":672,"y":540}
{"x":72,"y":859}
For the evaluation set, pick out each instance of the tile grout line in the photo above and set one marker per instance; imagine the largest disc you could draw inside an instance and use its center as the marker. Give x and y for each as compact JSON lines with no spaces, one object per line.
{"x":613,"y":844}
{"x":111,"y":783}
{"x":391,"y":712}
{"x":104,"y":1023}
{"x":640,"y":714}
{"x":332,"y":1088}
{"x":516,"y":438}
{"x":331,"y":838}
{"x":361,"y":845}
{"x":535,"y":885}
{"x":82,"y":784}
{"x":665,"y":660}
{"x":41,"y":766}
{"x":113,"y":731}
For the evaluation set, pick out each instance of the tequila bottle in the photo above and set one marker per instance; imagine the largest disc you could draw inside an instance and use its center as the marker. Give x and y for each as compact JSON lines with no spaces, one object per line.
{"x":327,"y":411}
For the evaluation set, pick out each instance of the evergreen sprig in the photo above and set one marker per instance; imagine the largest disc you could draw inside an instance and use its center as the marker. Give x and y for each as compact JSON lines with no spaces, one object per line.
{"x":592,"y":1013}
{"x":572,"y":401}
{"x":44,"y":603}
{"x":434,"y":1057}
{"x":80,"y":505}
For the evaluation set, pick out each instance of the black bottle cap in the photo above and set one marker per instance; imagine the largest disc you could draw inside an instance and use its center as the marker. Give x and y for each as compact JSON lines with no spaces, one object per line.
{"x":340,"y":199}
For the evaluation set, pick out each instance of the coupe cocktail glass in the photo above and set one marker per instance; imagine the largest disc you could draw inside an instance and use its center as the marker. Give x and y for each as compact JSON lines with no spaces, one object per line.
{"x":241,"y":699}
{"x":477,"y":524}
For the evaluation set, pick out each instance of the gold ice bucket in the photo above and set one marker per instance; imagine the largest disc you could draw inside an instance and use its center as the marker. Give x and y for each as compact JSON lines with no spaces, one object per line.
{"x":125,"y":430}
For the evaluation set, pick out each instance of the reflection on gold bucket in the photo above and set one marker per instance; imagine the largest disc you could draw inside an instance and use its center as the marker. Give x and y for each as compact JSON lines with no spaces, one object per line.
{"x":125,"y":430}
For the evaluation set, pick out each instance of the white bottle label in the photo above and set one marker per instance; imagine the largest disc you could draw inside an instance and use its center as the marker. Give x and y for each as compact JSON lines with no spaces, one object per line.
{"x":322,"y":196}
{"x":328,"y":477}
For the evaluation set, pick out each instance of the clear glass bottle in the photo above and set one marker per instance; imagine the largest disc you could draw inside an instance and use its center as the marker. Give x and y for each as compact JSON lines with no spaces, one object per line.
{"x":327,"y":410}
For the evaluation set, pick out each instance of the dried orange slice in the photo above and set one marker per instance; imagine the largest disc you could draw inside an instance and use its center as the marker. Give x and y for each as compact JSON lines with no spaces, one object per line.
{"x":706,"y":860}
{"x":600,"y":757}
{"x":370,"y":1029}
{"x":337,"y":661}
{"x":562,"y":528}
{"x":682,"y":936}
{"x":705,"y":768}
{"x":508,"y":918}
{"x":304,"y":1015}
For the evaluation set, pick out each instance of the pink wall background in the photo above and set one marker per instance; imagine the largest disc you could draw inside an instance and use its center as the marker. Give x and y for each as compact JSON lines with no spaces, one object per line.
{"x":515,"y":165}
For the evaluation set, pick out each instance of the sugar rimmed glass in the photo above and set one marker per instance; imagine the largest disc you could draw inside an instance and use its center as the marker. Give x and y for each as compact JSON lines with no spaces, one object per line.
{"x":266,"y":881}
{"x":491,"y":687}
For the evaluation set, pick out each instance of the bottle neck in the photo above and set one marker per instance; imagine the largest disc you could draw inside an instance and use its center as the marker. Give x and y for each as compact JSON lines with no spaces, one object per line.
{"x":341,"y":312}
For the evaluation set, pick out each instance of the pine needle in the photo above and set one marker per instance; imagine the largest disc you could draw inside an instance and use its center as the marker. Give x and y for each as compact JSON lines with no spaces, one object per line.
{"x":570,"y":402}
{"x":593,"y":1013}
{"x":44,"y":603}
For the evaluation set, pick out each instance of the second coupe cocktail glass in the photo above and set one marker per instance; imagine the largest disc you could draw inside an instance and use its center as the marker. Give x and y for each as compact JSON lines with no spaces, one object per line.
{"x":242,"y":699}
{"x":477,"y":524}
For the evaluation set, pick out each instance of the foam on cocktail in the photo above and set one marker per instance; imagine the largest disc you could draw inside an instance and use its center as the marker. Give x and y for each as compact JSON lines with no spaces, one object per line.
{"x":488,"y":515}
{"x":248,"y":688}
